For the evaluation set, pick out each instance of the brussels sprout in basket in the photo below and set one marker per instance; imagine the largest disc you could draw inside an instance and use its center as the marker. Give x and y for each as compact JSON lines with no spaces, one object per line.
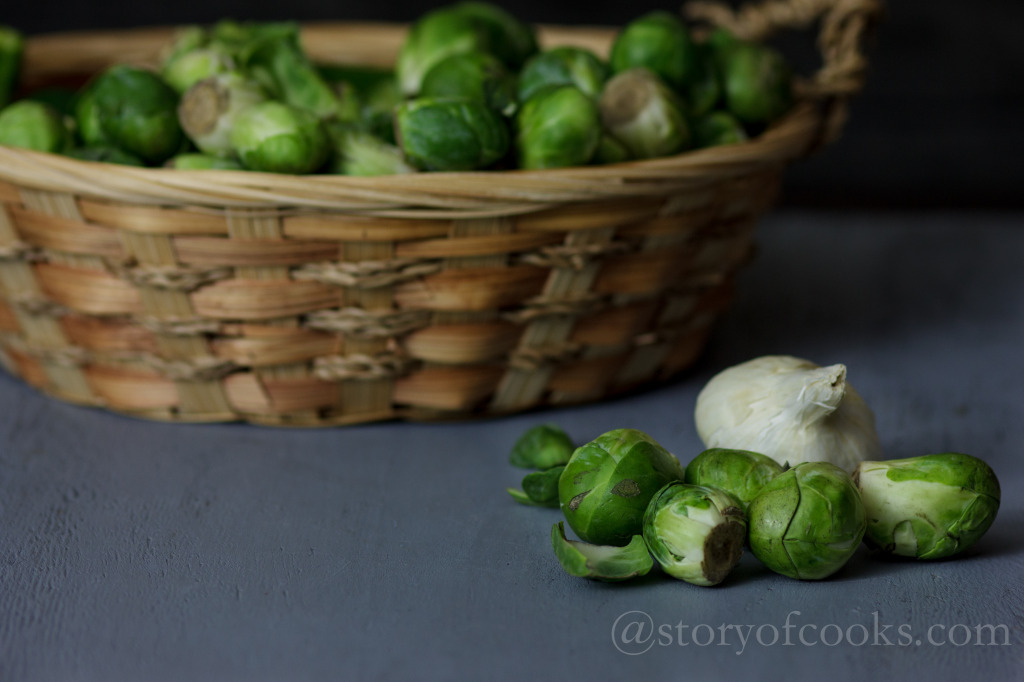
{"x":34,"y":125}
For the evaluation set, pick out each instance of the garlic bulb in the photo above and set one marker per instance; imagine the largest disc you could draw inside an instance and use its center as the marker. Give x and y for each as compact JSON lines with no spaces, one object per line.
{"x":789,"y":409}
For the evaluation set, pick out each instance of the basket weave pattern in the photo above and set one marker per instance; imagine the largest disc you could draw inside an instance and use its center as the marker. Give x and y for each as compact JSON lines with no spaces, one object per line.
{"x":324,"y":300}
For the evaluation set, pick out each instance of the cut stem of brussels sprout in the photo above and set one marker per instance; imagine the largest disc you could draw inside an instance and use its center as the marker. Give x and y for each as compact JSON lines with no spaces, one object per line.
{"x":928,"y":507}
{"x":608,"y":483}
{"x":741,"y":473}
{"x":601,"y":562}
{"x":695,"y":532}
{"x":807,"y":522}
{"x":541,"y":447}
{"x":639,"y":110}
{"x":208,"y":110}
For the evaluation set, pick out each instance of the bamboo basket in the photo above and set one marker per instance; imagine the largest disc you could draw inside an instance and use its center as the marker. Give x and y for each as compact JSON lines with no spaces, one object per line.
{"x":329,"y":300}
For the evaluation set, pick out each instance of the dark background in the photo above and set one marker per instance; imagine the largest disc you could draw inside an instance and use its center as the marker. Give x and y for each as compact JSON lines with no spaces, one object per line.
{"x":938,"y":125}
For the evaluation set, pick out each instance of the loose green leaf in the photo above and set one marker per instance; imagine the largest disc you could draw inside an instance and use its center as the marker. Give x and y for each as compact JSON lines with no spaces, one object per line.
{"x":601,"y":562}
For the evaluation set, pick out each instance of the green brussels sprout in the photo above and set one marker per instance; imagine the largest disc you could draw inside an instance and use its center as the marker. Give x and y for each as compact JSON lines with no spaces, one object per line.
{"x":184,"y":68}
{"x":756,"y":82}
{"x":33,"y":125}
{"x":508,"y":38}
{"x":608,"y":483}
{"x":741,"y":473}
{"x":436,"y":35}
{"x":610,"y":150}
{"x":540,"y":488}
{"x":196,"y":161}
{"x":717,"y":128}
{"x":565,"y":65}
{"x":450,"y":134}
{"x":359,"y":152}
{"x":807,"y":522}
{"x":658,"y":41}
{"x":695,"y":532}
{"x":557,"y":127}
{"x":12,"y":48}
{"x":277,"y":138}
{"x":208,"y":110}
{"x":134,"y":109}
{"x":457,"y":29}
{"x":105,"y":154}
{"x":641,"y":112}
{"x":928,"y":507}
{"x":472,"y":75}
{"x":601,"y":562}
{"x":291,"y":76}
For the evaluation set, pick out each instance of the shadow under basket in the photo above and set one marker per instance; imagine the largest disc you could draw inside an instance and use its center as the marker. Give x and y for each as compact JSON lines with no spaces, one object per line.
{"x":198,"y":296}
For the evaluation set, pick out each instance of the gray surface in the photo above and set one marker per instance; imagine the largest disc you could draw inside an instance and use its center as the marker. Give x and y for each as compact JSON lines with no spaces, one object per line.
{"x":132,"y":550}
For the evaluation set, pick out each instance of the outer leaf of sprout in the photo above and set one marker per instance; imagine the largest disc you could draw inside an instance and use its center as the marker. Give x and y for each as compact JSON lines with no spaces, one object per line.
{"x":277,"y":138}
{"x":450,"y":134}
{"x":601,"y":562}
{"x":563,"y":65}
{"x":541,"y":447}
{"x":741,"y":473}
{"x":660,"y":42}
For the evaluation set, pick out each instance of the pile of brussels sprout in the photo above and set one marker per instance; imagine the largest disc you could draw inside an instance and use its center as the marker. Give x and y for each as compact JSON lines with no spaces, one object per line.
{"x":631,"y":503}
{"x":471,"y":89}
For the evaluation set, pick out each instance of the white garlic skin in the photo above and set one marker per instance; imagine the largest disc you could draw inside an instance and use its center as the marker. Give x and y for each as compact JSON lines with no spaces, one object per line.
{"x":790,"y":409}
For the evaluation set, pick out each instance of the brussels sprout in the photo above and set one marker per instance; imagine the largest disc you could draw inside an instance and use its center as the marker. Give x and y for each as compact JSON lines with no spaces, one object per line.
{"x":557,"y":127}
{"x":33,"y":125}
{"x":640,"y":111}
{"x":695,"y":532}
{"x":807,"y":522}
{"x":756,"y":82}
{"x":601,"y":562}
{"x":565,"y":65}
{"x":541,"y":447}
{"x":277,"y":138}
{"x":928,"y":507}
{"x":540,"y":488}
{"x":436,"y":35}
{"x":717,"y":128}
{"x":194,"y":161}
{"x":610,"y":150}
{"x":134,"y":109}
{"x":472,"y":75}
{"x":741,"y":473}
{"x":658,"y":41}
{"x":291,"y":76}
{"x":105,"y":154}
{"x":608,"y":482}
{"x":12,"y":48}
{"x":87,"y":119}
{"x":208,"y":110}
{"x":191,"y":67}
{"x":359,"y":152}
{"x":450,"y":134}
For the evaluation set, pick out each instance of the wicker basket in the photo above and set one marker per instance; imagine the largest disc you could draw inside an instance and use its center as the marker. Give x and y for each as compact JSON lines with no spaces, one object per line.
{"x":326,"y":300}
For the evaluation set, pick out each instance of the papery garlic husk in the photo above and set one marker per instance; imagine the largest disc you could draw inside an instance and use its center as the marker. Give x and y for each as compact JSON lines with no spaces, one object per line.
{"x":790,"y":409}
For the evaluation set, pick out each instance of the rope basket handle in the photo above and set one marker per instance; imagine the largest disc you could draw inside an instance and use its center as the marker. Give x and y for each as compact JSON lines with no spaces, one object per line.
{"x":845,"y":24}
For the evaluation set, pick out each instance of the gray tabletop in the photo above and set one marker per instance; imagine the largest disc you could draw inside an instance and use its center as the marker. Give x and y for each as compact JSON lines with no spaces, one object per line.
{"x":132,"y":550}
